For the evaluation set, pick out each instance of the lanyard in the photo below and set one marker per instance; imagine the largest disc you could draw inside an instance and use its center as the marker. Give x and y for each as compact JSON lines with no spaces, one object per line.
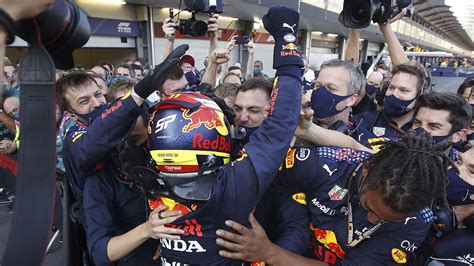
{"x":351,"y":242}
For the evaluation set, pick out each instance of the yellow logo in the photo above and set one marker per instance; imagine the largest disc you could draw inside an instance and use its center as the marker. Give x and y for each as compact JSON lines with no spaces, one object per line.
{"x":399,"y":256}
{"x":244,"y":155}
{"x":290,"y":158}
{"x":300,"y":198}
{"x":76,"y":137}
{"x":374,"y":140}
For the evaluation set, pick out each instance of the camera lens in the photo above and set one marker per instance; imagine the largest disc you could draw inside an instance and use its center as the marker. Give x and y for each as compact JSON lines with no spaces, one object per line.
{"x":198,"y":27}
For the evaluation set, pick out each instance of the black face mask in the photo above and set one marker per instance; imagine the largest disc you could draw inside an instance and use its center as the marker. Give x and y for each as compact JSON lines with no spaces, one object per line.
{"x":243,"y":134}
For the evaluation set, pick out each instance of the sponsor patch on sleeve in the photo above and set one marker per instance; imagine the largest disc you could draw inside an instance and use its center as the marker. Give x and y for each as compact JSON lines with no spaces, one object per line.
{"x":290,"y":158}
{"x":399,"y":256}
{"x":300,"y":198}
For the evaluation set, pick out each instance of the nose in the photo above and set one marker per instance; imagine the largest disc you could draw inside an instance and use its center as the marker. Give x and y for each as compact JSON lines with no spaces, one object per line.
{"x":95,"y":102}
{"x":244,"y":117}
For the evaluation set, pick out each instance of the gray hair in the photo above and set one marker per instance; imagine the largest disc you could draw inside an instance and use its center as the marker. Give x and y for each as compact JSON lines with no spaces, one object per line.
{"x":357,"y":80}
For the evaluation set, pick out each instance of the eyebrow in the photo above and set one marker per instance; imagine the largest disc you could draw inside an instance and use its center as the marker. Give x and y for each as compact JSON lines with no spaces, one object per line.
{"x":82,"y":98}
{"x":435,"y":124}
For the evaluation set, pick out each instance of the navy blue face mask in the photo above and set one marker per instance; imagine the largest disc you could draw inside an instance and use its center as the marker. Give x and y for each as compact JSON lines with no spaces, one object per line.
{"x":324,"y":103}
{"x":458,"y":191}
{"x":470,"y":136}
{"x":395,"y":107}
{"x":16,"y":116}
{"x":436,"y":139}
{"x":191,"y":78}
{"x":90,"y":117}
{"x":370,"y":89}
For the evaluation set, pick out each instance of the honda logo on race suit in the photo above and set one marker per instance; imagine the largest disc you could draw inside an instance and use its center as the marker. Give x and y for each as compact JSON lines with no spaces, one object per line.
{"x":190,"y":246}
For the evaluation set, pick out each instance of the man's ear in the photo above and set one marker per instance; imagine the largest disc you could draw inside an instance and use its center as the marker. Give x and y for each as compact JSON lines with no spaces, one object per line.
{"x":461,"y":135}
{"x":352,"y":100}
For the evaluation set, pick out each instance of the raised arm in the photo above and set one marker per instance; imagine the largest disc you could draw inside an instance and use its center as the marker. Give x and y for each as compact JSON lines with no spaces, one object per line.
{"x":352,"y":51}
{"x":217,"y":57}
{"x":315,"y":134}
{"x":251,"y":49}
{"x":395,"y":49}
{"x":212,"y":29}
{"x":170,"y":34}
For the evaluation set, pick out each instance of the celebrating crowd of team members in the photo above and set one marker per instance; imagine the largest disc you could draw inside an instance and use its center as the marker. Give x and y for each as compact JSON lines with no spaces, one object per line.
{"x":173,"y":165}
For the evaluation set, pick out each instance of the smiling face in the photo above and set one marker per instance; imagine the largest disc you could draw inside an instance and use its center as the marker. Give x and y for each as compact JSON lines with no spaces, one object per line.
{"x":84,"y":99}
{"x":251,"y":107}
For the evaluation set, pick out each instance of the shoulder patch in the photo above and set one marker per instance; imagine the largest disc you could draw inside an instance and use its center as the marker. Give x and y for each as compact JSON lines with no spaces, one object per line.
{"x":342,"y":154}
{"x":77,"y":134}
{"x":300,"y":198}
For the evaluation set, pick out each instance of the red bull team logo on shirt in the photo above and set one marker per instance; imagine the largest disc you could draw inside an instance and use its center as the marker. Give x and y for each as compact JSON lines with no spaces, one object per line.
{"x":328,"y":239}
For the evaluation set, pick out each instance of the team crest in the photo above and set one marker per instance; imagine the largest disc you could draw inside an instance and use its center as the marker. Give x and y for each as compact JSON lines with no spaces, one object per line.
{"x":337,"y":193}
{"x":378,"y":131}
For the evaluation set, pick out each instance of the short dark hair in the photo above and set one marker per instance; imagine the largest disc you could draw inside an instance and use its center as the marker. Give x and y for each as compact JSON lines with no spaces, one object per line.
{"x":226,"y":90}
{"x":176,"y":73}
{"x":234,"y":68}
{"x":73,"y":81}
{"x":257,"y":84}
{"x":468,"y":83}
{"x":410,"y":172}
{"x":120,"y":86}
{"x":417,"y":70}
{"x":129,"y":67}
{"x":230,"y":74}
{"x":460,"y":112}
{"x":137,"y":67}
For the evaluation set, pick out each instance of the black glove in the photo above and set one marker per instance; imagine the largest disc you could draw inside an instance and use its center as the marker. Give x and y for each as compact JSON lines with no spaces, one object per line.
{"x":282,"y":23}
{"x":158,"y":76}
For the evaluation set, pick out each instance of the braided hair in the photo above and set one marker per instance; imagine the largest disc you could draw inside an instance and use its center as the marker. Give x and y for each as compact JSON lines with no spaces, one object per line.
{"x":410,"y":172}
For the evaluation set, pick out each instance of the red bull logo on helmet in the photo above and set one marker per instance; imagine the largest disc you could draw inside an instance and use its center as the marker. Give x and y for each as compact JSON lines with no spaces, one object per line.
{"x":220,"y":143}
{"x":208,"y":117}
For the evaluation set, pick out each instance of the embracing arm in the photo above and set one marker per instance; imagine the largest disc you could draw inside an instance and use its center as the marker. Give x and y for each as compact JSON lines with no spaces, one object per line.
{"x":122,"y":245}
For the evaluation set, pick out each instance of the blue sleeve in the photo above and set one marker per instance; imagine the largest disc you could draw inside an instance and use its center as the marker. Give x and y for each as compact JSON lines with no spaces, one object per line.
{"x":293,"y":223}
{"x":246,"y":180}
{"x":268,"y":145}
{"x":101,"y":223}
{"x":85,"y":147}
{"x":391,"y":247}
{"x":300,"y":171}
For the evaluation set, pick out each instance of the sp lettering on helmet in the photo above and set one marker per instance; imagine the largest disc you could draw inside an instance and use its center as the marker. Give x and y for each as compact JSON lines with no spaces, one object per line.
{"x":164,"y":122}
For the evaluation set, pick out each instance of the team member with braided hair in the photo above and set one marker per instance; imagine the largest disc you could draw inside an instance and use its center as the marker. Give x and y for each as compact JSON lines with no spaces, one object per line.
{"x":363,"y":211}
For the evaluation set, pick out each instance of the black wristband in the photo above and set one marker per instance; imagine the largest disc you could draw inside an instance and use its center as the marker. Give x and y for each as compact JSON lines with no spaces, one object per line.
{"x":9,"y":25}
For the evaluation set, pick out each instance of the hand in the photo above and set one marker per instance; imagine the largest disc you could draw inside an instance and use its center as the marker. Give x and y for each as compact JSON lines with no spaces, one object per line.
{"x":248,"y":245}
{"x":219,"y":56}
{"x":155,"y":226}
{"x":250,"y":46}
{"x":22,"y":9}
{"x":159,"y":75}
{"x":462,"y":212}
{"x":306,"y":115}
{"x":212,"y":25}
{"x":400,"y":15}
{"x":7,"y":146}
{"x":230,"y":46}
{"x":169,"y":29}
{"x":281,"y":20}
